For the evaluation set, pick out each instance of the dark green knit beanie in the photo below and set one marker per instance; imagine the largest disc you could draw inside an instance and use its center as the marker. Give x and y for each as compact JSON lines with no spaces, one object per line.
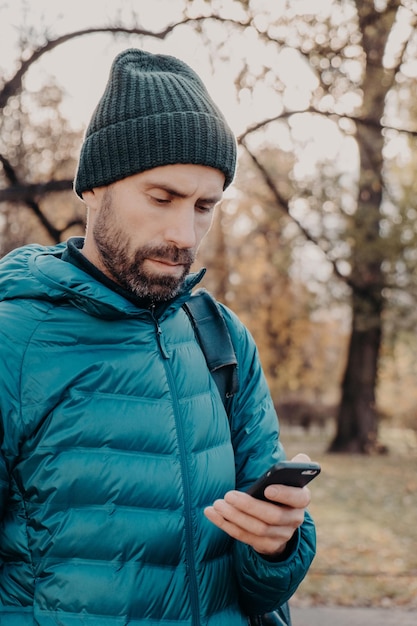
{"x":155,"y":111}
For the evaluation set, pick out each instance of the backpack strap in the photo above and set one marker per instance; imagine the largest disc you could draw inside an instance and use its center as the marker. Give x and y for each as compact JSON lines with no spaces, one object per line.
{"x":214,"y":338}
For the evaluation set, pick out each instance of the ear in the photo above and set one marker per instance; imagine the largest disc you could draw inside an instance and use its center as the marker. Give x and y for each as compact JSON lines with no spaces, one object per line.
{"x":90,"y":198}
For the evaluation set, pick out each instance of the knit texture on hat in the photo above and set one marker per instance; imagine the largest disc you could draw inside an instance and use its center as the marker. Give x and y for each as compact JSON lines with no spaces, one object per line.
{"x":155,"y":111}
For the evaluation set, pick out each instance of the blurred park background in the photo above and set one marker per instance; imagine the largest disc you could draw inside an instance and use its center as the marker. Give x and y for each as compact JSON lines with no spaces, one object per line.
{"x":314,"y":246}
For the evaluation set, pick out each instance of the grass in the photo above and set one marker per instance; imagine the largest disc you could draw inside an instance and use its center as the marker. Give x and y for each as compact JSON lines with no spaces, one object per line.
{"x":365,"y":509}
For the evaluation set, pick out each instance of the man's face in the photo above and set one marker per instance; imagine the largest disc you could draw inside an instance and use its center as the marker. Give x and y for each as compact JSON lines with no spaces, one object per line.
{"x":144,"y":231}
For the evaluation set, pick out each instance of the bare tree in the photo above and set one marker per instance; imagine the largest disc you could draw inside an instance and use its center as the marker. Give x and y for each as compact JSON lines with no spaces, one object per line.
{"x":372,"y":28}
{"x":355,"y":34}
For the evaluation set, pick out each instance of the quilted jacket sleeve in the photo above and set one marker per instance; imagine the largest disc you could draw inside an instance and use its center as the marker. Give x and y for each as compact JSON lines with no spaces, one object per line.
{"x":255,"y":434}
{"x":4,"y":485}
{"x":4,"y":475}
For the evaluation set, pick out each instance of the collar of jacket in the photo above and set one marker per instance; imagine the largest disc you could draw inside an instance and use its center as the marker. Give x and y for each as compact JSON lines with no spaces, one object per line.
{"x":37,"y":272}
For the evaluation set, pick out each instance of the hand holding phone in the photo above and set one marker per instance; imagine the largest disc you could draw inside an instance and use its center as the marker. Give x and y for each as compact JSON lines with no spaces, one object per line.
{"x":291,"y":473}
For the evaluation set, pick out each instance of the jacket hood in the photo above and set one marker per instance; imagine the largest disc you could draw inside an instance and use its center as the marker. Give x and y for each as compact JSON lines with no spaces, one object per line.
{"x":36,"y":272}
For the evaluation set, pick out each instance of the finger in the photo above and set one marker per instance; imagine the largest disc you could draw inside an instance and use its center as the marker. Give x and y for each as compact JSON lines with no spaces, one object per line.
{"x":250,"y":506}
{"x":294,"y":497}
{"x":264,"y":513}
{"x":214,"y":516}
{"x":229,"y":525}
{"x":270,"y":540}
{"x":255,"y":519}
{"x":301,"y":458}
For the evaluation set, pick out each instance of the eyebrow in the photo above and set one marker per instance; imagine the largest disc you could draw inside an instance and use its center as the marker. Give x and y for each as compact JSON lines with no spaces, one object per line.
{"x":178,"y":194}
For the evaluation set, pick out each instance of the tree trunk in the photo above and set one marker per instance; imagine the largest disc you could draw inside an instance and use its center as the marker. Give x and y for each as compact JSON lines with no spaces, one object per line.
{"x":357,"y":421}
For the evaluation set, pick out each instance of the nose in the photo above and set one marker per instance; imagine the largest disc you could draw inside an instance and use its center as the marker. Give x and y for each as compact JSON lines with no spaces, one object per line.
{"x":181,"y":229}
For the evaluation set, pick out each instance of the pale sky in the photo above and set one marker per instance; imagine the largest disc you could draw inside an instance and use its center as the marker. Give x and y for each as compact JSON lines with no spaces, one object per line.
{"x":82,"y":65}
{"x":81,"y":68}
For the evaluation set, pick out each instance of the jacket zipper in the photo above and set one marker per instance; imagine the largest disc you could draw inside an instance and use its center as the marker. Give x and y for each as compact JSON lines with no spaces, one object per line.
{"x":159,"y":334}
{"x":190,"y":563}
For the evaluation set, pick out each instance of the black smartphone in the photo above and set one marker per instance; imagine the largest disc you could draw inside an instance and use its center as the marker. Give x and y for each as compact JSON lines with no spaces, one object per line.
{"x":289,"y":473}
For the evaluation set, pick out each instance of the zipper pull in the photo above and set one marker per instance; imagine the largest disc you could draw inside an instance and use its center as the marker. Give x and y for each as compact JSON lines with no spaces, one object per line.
{"x":161,"y":341}
{"x":159,"y":334}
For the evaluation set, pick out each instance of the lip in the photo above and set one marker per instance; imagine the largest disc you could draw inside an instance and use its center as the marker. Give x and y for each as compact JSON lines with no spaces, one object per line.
{"x":167,"y":265}
{"x":164,"y":262}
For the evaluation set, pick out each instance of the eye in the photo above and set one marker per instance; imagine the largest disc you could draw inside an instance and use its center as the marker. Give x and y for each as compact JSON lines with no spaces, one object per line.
{"x":204,"y":208}
{"x":161,"y":199}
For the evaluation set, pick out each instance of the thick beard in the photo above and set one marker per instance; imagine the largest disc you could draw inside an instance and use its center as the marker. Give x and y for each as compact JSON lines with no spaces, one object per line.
{"x":126,"y":269}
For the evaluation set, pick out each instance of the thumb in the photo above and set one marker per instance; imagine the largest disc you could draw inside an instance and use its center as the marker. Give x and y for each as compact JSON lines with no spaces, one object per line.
{"x":301,"y":458}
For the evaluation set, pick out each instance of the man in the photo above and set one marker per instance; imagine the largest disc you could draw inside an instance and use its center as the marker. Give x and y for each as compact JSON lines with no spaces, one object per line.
{"x":122,"y":483}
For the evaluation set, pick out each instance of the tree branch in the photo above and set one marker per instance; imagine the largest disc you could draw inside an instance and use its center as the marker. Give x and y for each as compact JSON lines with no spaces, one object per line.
{"x":365,"y":121}
{"x":21,"y":192}
{"x":284,"y":204}
{"x":14,"y":85}
{"x":28,"y":200}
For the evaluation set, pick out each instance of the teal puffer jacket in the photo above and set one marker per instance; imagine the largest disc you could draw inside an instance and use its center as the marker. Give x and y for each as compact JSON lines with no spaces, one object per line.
{"x":113,"y":440}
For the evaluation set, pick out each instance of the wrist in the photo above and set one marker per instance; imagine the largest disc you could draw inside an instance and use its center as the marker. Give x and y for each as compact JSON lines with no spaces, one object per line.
{"x":283,"y":553}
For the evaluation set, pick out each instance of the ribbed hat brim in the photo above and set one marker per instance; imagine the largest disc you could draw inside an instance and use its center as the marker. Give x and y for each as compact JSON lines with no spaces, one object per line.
{"x":181,"y":137}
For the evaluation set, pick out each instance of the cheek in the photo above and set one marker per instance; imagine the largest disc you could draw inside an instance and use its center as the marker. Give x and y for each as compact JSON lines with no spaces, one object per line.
{"x":138,"y":224}
{"x":203,"y":225}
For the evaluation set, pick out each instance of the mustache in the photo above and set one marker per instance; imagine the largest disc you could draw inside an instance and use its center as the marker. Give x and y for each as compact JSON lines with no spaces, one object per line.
{"x":171,"y":253}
